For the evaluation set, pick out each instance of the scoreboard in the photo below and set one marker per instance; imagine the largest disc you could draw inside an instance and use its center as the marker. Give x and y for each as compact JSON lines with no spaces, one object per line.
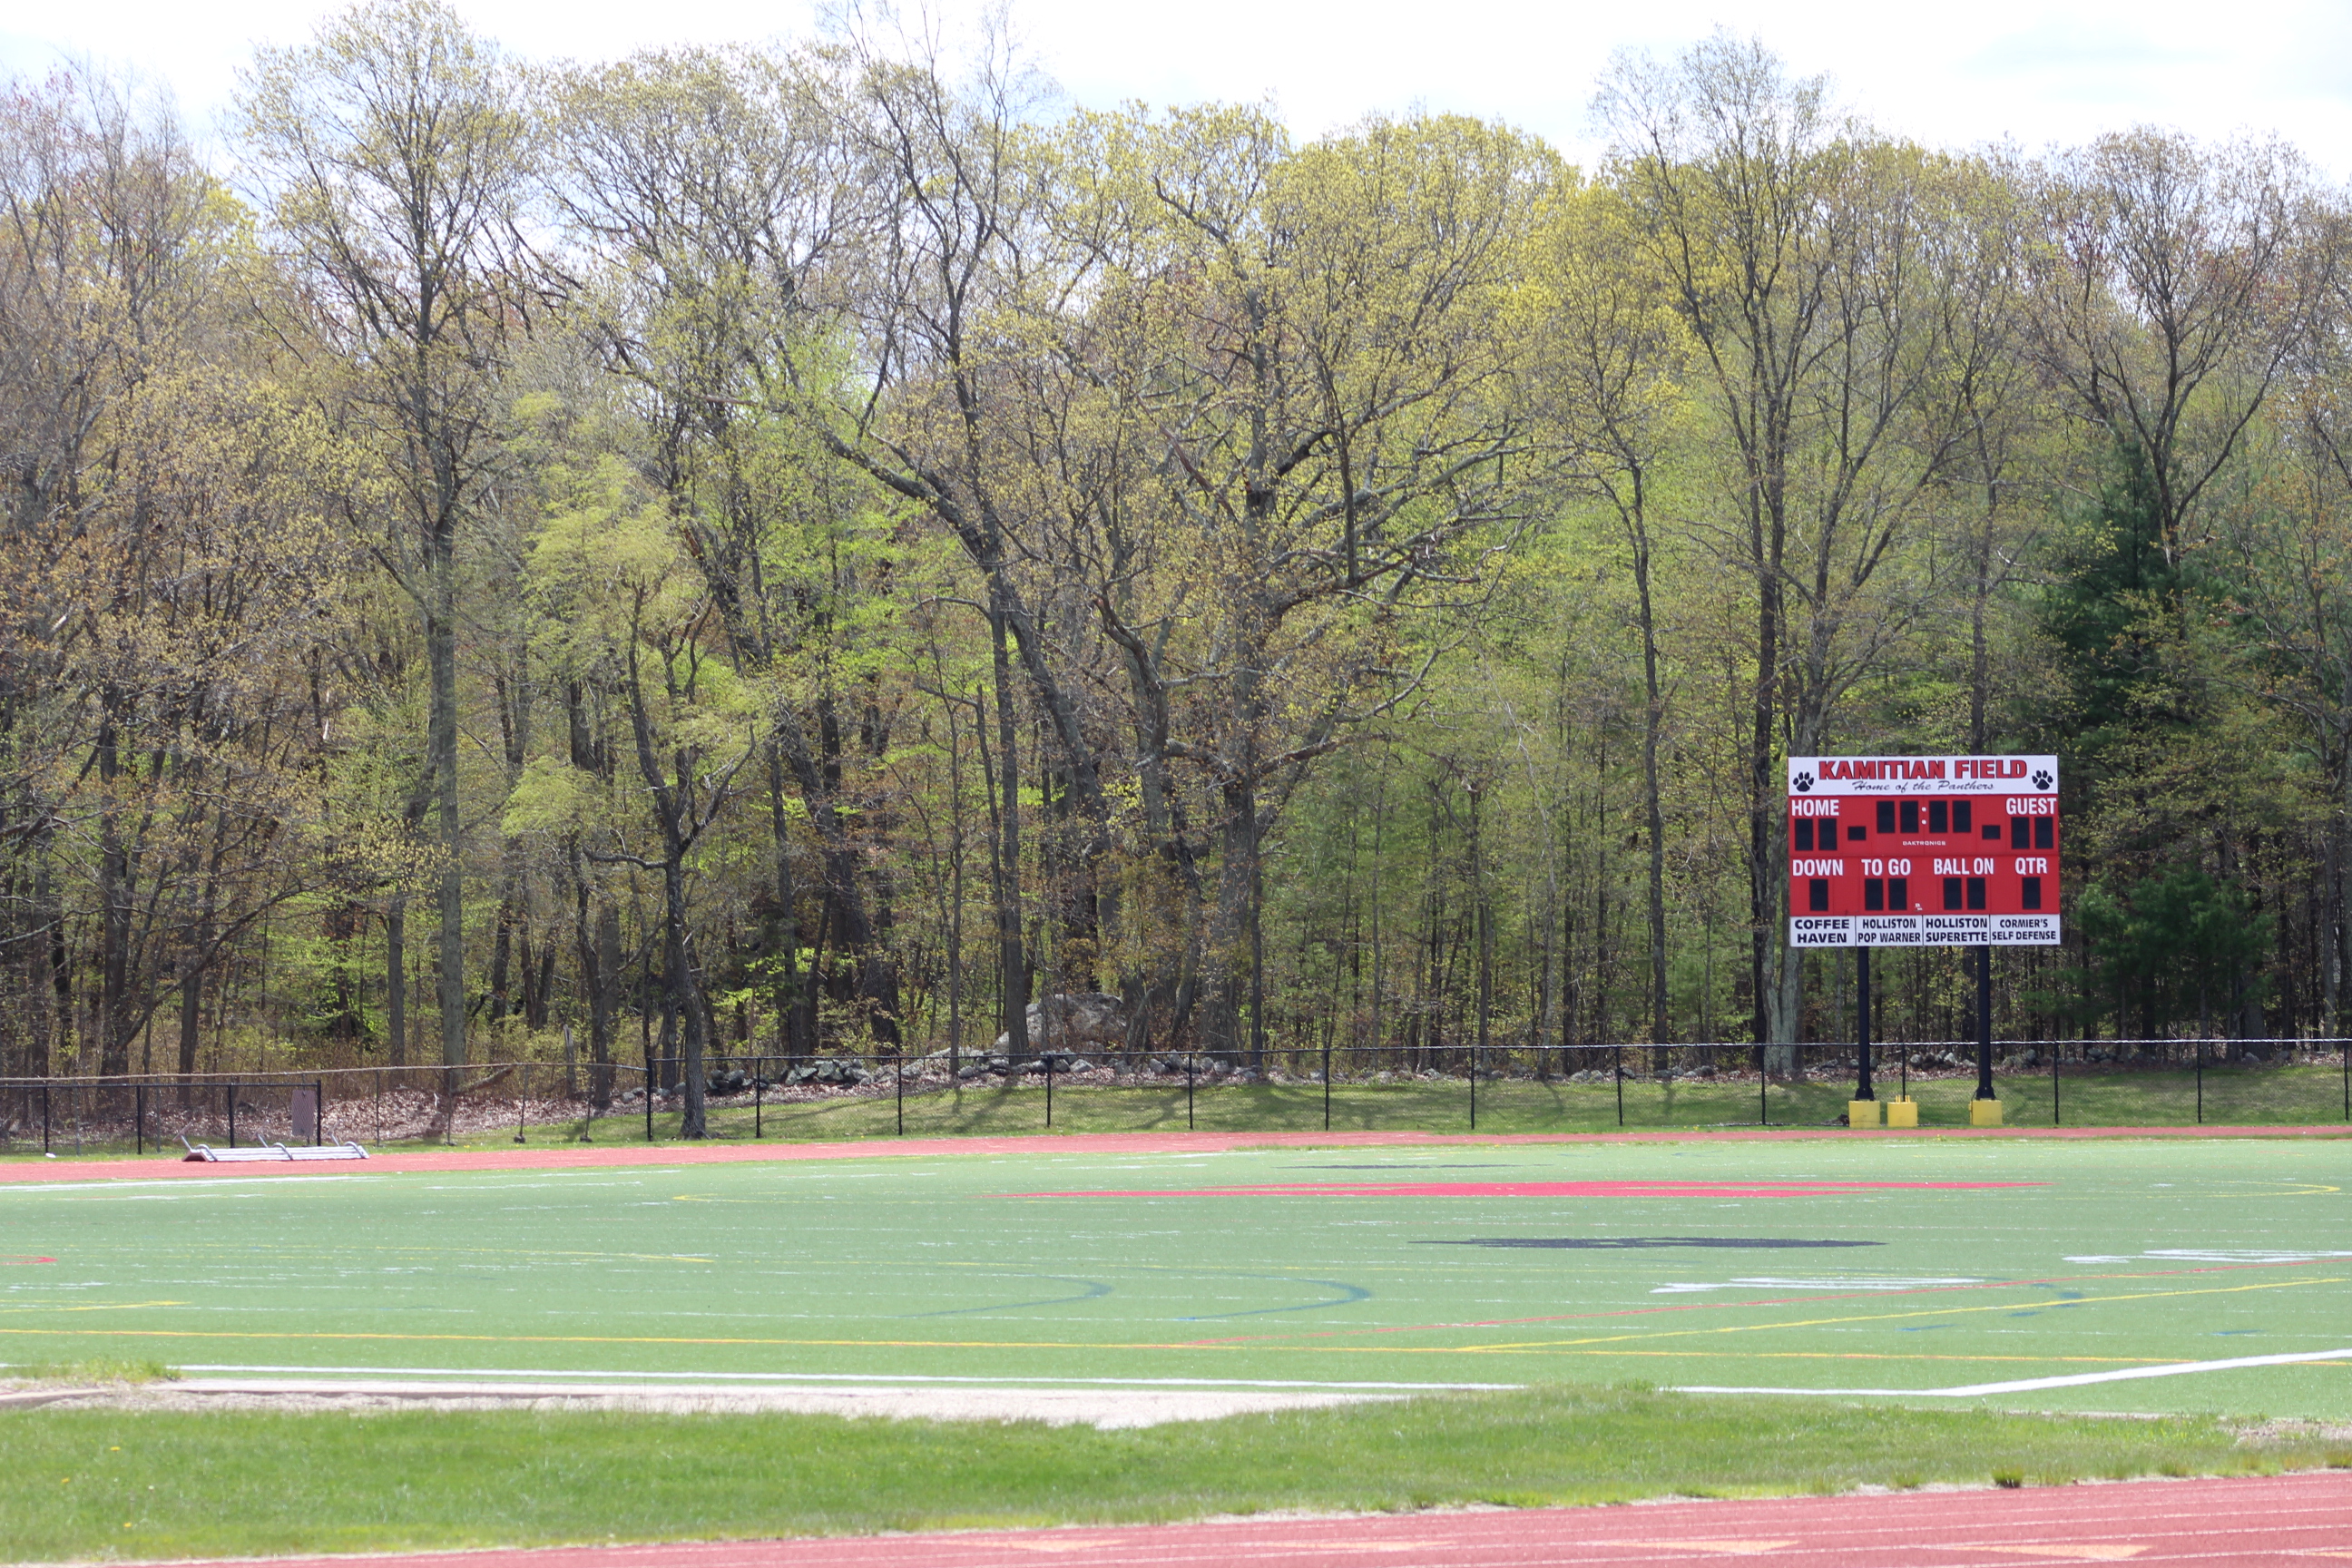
{"x":1923,"y":851}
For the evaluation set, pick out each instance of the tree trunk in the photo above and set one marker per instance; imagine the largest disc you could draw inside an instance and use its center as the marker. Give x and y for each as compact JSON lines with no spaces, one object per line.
{"x":395,"y":978}
{"x":441,"y":748}
{"x":1012,"y":962}
{"x":1654,"y":708}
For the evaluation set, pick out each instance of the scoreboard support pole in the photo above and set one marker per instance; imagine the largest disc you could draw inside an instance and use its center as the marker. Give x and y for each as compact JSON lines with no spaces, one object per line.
{"x":1861,"y":1089}
{"x":1984,"y":1022}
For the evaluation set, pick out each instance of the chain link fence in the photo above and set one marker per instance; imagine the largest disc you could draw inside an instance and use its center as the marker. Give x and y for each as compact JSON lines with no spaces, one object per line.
{"x":1564,"y":1088}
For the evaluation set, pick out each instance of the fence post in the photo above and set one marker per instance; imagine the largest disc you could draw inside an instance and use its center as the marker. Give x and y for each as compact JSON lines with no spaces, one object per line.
{"x":1617,"y":1059}
{"x":898,"y":1087}
{"x":319,"y":1116}
{"x":1474,"y":1089}
{"x":1187,"y":1098}
{"x":2200,"y":1081}
{"x":232,"y":1113}
{"x":522,"y":1095}
{"x":45,"y":1119}
{"x":1327,"y":1083}
{"x":759,"y":1090}
{"x":649,"y":1094}
{"x":139,"y":1119}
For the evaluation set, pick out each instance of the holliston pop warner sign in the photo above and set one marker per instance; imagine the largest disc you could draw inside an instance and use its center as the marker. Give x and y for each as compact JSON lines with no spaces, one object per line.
{"x":1923,"y":851}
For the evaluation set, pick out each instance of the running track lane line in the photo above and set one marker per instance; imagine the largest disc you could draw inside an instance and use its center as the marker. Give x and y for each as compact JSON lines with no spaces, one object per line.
{"x":2071,"y":1379}
{"x":569,"y":1156}
{"x":2302,"y":1521}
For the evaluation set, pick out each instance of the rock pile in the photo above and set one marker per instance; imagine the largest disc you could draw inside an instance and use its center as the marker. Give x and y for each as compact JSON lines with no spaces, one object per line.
{"x":1072,"y":1019}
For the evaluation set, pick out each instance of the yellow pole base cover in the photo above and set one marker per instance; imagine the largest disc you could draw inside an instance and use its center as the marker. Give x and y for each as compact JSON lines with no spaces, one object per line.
{"x":1902,"y":1113}
{"x":1984,"y":1112}
{"x":1862,"y":1113}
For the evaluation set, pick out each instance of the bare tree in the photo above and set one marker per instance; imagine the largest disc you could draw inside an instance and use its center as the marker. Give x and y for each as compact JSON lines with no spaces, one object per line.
{"x":391,"y":155}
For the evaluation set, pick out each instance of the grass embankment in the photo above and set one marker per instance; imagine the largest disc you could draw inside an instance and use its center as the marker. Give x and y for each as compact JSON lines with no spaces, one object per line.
{"x":2291,"y":1096}
{"x":92,"y":1483}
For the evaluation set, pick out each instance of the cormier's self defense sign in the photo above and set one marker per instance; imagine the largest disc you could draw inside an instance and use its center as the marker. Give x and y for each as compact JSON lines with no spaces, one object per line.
{"x":1923,"y":851}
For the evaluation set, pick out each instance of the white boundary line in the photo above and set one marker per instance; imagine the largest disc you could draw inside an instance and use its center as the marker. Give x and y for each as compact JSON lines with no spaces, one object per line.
{"x":2031,"y":1385}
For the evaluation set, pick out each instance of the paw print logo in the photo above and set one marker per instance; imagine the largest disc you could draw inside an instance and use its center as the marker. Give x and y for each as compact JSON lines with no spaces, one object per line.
{"x":1804,"y":782}
{"x":2042,"y":779}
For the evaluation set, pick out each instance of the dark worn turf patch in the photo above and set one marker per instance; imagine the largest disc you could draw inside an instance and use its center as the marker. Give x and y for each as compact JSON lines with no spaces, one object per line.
{"x":1759,"y":1243}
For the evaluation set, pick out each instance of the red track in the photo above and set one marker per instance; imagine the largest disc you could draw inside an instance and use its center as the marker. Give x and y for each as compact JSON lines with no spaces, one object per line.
{"x":2304,"y":1520}
{"x":560,"y":1156}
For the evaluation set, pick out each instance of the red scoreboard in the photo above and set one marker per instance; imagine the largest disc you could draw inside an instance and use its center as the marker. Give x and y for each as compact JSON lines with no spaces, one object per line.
{"x":1923,"y":851}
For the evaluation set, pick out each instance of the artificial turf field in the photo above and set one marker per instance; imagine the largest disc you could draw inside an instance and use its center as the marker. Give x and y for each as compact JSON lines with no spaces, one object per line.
{"x":1877,"y":1264}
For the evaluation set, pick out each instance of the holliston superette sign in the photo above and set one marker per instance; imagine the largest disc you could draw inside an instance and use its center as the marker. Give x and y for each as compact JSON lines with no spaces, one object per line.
{"x":1923,"y":851}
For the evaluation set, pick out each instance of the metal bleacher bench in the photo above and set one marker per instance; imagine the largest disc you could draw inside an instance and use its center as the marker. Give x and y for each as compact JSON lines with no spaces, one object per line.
{"x":206,"y":1151}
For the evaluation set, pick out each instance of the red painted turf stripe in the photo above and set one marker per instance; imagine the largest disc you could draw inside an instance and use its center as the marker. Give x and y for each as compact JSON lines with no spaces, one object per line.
{"x":1536,"y":1190}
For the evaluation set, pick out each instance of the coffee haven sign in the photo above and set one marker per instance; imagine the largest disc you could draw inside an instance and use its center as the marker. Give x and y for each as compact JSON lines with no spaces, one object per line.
{"x":1923,"y":851}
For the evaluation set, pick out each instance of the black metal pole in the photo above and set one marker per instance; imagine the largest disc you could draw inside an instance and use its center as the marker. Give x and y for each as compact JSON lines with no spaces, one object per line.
{"x":45,"y":1119}
{"x":2347,"y":1080}
{"x":759,"y":1088}
{"x":1984,"y":1022}
{"x":1049,"y":1088}
{"x":232,"y":1113}
{"x":139,"y":1119}
{"x":649,"y":1094}
{"x":1188,"y":1091}
{"x":1862,"y":1087}
{"x":1326,"y":1089}
{"x":2200,"y":1081}
{"x":1474,"y":1089}
{"x":1617,"y":1058}
{"x":319,"y":1114}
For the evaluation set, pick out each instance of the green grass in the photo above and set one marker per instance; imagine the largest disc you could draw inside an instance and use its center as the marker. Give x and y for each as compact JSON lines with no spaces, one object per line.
{"x":2299,"y":1096}
{"x":97,"y":1369}
{"x":88,"y":1484}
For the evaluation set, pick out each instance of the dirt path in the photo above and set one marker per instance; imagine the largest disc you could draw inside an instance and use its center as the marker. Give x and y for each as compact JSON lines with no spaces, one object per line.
{"x":1106,"y":1409}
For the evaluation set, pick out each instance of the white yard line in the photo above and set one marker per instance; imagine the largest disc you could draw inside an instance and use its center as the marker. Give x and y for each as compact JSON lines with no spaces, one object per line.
{"x":2031,"y":1385}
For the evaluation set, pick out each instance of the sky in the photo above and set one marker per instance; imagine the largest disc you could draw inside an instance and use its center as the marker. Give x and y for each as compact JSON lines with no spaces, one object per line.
{"x":2037,"y":72}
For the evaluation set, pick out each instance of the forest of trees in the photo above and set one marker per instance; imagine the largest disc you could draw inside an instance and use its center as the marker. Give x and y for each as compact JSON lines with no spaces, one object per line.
{"x":805,"y":550}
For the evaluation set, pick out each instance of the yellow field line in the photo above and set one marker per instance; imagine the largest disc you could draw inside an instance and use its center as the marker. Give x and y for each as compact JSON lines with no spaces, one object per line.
{"x":1553,"y":1347}
{"x":1892,"y":1316}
